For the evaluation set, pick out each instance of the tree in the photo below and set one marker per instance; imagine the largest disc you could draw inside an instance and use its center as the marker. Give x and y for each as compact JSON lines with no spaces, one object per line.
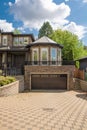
{"x":73,"y":47}
{"x":16,"y":31}
{"x":45,"y":30}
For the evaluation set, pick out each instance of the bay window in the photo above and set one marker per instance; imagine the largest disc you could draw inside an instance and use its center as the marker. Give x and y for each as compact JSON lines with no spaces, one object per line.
{"x":53,"y":56}
{"x":59,"y":56}
{"x":35,"y":56}
{"x":44,"y":55}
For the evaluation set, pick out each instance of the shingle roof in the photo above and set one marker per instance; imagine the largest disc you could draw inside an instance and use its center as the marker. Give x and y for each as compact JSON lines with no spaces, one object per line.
{"x":44,"y":39}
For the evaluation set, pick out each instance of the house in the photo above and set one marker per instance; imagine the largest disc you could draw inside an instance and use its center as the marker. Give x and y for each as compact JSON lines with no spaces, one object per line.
{"x":40,"y":61}
{"x":44,"y":69}
{"x":13,"y":51}
{"x":83,"y":63}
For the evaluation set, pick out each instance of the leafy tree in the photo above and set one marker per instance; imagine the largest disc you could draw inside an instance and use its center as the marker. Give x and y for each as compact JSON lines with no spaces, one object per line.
{"x":73,"y":47}
{"x":16,"y":31}
{"x":45,"y":30}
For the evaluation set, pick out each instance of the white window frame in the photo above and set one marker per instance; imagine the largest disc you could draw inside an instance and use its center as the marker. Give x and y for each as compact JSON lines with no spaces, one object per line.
{"x":51,"y":56}
{"x":42,"y":49}
{"x":4,"y":38}
{"x":35,"y":49}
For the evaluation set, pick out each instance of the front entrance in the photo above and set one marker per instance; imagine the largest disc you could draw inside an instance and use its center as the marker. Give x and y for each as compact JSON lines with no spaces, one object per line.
{"x":49,"y":81}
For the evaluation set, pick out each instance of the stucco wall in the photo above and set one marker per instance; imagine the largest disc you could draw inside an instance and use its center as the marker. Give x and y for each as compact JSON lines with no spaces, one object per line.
{"x":69,"y":70}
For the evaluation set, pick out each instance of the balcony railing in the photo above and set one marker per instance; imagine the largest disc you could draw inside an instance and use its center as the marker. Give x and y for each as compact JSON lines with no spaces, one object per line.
{"x":49,"y":62}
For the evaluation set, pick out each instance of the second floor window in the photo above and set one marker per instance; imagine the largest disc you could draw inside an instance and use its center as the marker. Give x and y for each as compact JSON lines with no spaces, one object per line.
{"x":53,"y":56}
{"x":4,"y":40}
{"x":44,"y":55}
{"x":59,"y":56}
{"x":35,"y":56}
{"x":20,"y":41}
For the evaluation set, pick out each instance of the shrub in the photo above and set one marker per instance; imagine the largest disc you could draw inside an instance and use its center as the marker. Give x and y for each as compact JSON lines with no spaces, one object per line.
{"x":6,"y":80}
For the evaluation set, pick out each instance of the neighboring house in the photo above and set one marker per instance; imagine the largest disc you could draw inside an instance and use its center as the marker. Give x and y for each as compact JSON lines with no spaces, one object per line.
{"x":44,"y":69}
{"x":13,"y":51}
{"x":83,"y":63}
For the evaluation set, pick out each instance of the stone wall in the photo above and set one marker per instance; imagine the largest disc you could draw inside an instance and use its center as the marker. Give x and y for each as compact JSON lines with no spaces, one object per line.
{"x":68,"y":69}
{"x":10,"y":89}
{"x":21,"y":82}
{"x":80,"y":84}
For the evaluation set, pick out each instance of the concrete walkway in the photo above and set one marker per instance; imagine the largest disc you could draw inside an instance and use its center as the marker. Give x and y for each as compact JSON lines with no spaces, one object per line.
{"x":62,"y":110}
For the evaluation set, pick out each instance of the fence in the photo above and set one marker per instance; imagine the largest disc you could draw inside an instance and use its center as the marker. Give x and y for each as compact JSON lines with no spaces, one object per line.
{"x":86,"y":76}
{"x":79,"y":74}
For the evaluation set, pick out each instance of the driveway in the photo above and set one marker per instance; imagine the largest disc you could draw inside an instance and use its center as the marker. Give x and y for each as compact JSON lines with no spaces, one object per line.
{"x":60,"y":110}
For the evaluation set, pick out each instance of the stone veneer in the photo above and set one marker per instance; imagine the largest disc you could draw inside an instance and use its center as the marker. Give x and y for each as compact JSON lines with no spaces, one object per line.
{"x":65,"y":69}
{"x":9,"y":89}
{"x":80,"y":84}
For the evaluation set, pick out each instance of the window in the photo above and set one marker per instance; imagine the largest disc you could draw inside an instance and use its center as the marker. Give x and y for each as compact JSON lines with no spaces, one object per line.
{"x":21,"y":40}
{"x":0,"y":39}
{"x":5,"y":40}
{"x":59,"y":56}
{"x":44,"y":55}
{"x":53,"y":55}
{"x":16,"y":41}
{"x":25,"y":40}
{"x":35,"y":56}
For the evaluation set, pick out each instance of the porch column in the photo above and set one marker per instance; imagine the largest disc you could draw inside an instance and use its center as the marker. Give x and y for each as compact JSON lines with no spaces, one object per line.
{"x":26,"y":56}
{"x":4,"y":58}
{"x":4,"y":62}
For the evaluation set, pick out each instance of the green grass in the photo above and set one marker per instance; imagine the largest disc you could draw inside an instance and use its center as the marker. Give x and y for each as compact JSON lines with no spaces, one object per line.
{"x":6,"y":80}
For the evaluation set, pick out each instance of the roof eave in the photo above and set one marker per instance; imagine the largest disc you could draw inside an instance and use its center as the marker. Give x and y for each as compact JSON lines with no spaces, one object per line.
{"x":42,"y":43}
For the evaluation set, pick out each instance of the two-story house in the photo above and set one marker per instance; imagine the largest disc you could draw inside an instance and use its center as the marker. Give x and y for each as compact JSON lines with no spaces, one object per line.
{"x":13,"y":51}
{"x":40,"y":61}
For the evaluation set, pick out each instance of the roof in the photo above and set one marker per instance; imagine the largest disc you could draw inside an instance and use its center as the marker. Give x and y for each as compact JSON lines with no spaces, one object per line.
{"x":11,"y":33}
{"x":82,"y":58}
{"x":45,"y":40}
{"x":7,"y":48}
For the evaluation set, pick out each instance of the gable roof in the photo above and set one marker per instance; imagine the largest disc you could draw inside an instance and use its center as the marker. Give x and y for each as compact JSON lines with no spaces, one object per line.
{"x":45,"y":40}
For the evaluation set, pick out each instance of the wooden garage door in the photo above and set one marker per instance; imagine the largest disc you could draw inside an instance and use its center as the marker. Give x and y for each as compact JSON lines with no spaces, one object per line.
{"x":44,"y":81}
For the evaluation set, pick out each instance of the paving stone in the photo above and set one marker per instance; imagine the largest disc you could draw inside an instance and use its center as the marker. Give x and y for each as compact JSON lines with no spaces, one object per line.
{"x":33,"y":111}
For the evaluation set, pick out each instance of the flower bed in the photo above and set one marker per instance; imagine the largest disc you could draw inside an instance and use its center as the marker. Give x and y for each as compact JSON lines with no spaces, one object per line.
{"x":8,"y":86}
{"x":6,"y":80}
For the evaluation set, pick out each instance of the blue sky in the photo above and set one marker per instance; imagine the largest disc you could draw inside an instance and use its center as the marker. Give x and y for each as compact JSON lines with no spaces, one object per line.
{"x":29,"y":15}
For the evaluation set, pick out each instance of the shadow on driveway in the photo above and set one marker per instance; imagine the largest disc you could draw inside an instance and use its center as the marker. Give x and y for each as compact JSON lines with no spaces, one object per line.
{"x":82,"y":95}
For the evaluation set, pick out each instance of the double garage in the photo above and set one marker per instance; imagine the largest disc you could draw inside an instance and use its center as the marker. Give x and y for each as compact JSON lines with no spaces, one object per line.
{"x":48,"y":81}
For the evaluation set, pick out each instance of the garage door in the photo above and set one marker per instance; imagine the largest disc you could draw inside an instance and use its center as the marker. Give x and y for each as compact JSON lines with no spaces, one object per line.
{"x":48,"y":81}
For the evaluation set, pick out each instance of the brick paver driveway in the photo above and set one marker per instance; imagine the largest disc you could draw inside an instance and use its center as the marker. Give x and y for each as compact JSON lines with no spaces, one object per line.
{"x":62,"y":110}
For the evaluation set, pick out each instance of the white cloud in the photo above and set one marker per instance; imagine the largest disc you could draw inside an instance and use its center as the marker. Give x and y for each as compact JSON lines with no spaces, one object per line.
{"x":84,"y":1}
{"x":10,"y":3}
{"x":6,"y":26}
{"x":34,"y":12}
{"x":76,"y":29}
{"x":67,"y":0}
